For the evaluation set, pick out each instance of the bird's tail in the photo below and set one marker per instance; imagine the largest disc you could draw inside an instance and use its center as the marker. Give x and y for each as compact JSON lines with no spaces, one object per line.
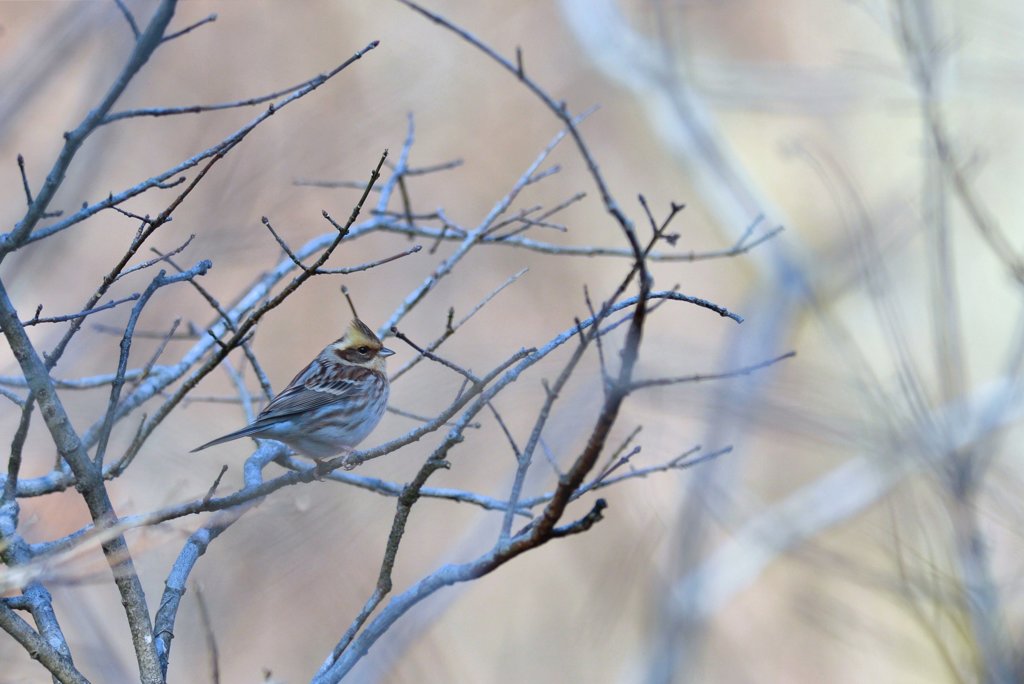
{"x":244,"y":432}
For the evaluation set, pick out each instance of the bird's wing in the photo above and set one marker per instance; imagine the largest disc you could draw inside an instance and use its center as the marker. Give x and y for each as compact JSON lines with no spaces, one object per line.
{"x":311,"y":390}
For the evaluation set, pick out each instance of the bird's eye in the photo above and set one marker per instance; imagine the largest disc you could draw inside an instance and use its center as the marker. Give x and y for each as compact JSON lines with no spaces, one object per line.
{"x":363,"y":350}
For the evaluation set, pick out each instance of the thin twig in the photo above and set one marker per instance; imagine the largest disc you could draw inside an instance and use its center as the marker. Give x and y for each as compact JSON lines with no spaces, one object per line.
{"x":284,"y":246}
{"x":191,"y":27}
{"x":155,"y":356}
{"x":345,"y":270}
{"x":162,"y":280}
{"x":161,"y":257}
{"x":700,"y":377}
{"x":36,"y":320}
{"x":434,"y":357}
{"x":211,"y":638}
{"x":129,"y":17}
{"x":10,"y":241}
{"x":451,"y":328}
{"x":24,"y":180}
{"x":14,"y":461}
{"x":146,"y":44}
{"x":542,"y":247}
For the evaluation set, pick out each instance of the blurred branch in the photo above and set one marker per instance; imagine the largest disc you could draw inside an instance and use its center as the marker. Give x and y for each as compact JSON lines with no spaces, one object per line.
{"x":222,"y":147}
{"x":923,"y":53}
{"x":89,"y":382}
{"x":147,"y":43}
{"x":129,"y":17}
{"x":191,"y":27}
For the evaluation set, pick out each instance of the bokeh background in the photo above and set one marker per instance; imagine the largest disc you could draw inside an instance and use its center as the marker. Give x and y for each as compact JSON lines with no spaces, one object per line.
{"x":830,"y":545}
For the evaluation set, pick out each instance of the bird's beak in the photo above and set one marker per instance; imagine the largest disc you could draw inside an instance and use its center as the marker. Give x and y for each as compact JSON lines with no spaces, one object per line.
{"x":385,"y":352}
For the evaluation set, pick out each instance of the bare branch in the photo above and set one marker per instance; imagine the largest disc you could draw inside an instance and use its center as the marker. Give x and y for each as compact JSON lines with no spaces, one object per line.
{"x":61,"y":667}
{"x":698,"y":377}
{"x":515,"y":240}
{"x":450,"y":328}
{"x":90,"y":482}
{"x":162,"y":280}
{"x":36,"y":319}
{"x":129,"y":17}
{"x":211,"y":639}
{"x":14,"y":398}
{"x":146,"y":44}
{"x":559,"y":109}
{"x":161,"y":257}
{"x":191,"y":27}
{"x":283,"y":244}
{"x":144,"y":232}
{"x":160,"y":180}
{"x":471,"y":239}
{"x":24,"y":180}
{"x":14,"y":461}
{"x":433,"y":357}
{"x":345,"y":270}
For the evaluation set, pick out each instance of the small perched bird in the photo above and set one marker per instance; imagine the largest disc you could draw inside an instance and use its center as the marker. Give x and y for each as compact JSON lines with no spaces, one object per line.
{"x":332,"y":404}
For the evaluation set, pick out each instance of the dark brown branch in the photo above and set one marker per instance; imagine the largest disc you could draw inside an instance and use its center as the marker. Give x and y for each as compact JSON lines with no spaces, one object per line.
{"x":24,"y":180}
{"x":595,"y":515}
{"x":434,"y":357}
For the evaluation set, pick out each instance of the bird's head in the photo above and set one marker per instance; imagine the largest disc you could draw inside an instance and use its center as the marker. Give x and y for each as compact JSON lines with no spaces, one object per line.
{"x":359,"y":346}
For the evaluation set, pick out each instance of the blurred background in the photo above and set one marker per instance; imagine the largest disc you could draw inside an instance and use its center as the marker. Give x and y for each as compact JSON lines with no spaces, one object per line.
{"x":866,"y":526}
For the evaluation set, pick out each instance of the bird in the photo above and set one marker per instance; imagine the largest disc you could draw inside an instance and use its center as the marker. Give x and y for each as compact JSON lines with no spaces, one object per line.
{"x":332,"y":404}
